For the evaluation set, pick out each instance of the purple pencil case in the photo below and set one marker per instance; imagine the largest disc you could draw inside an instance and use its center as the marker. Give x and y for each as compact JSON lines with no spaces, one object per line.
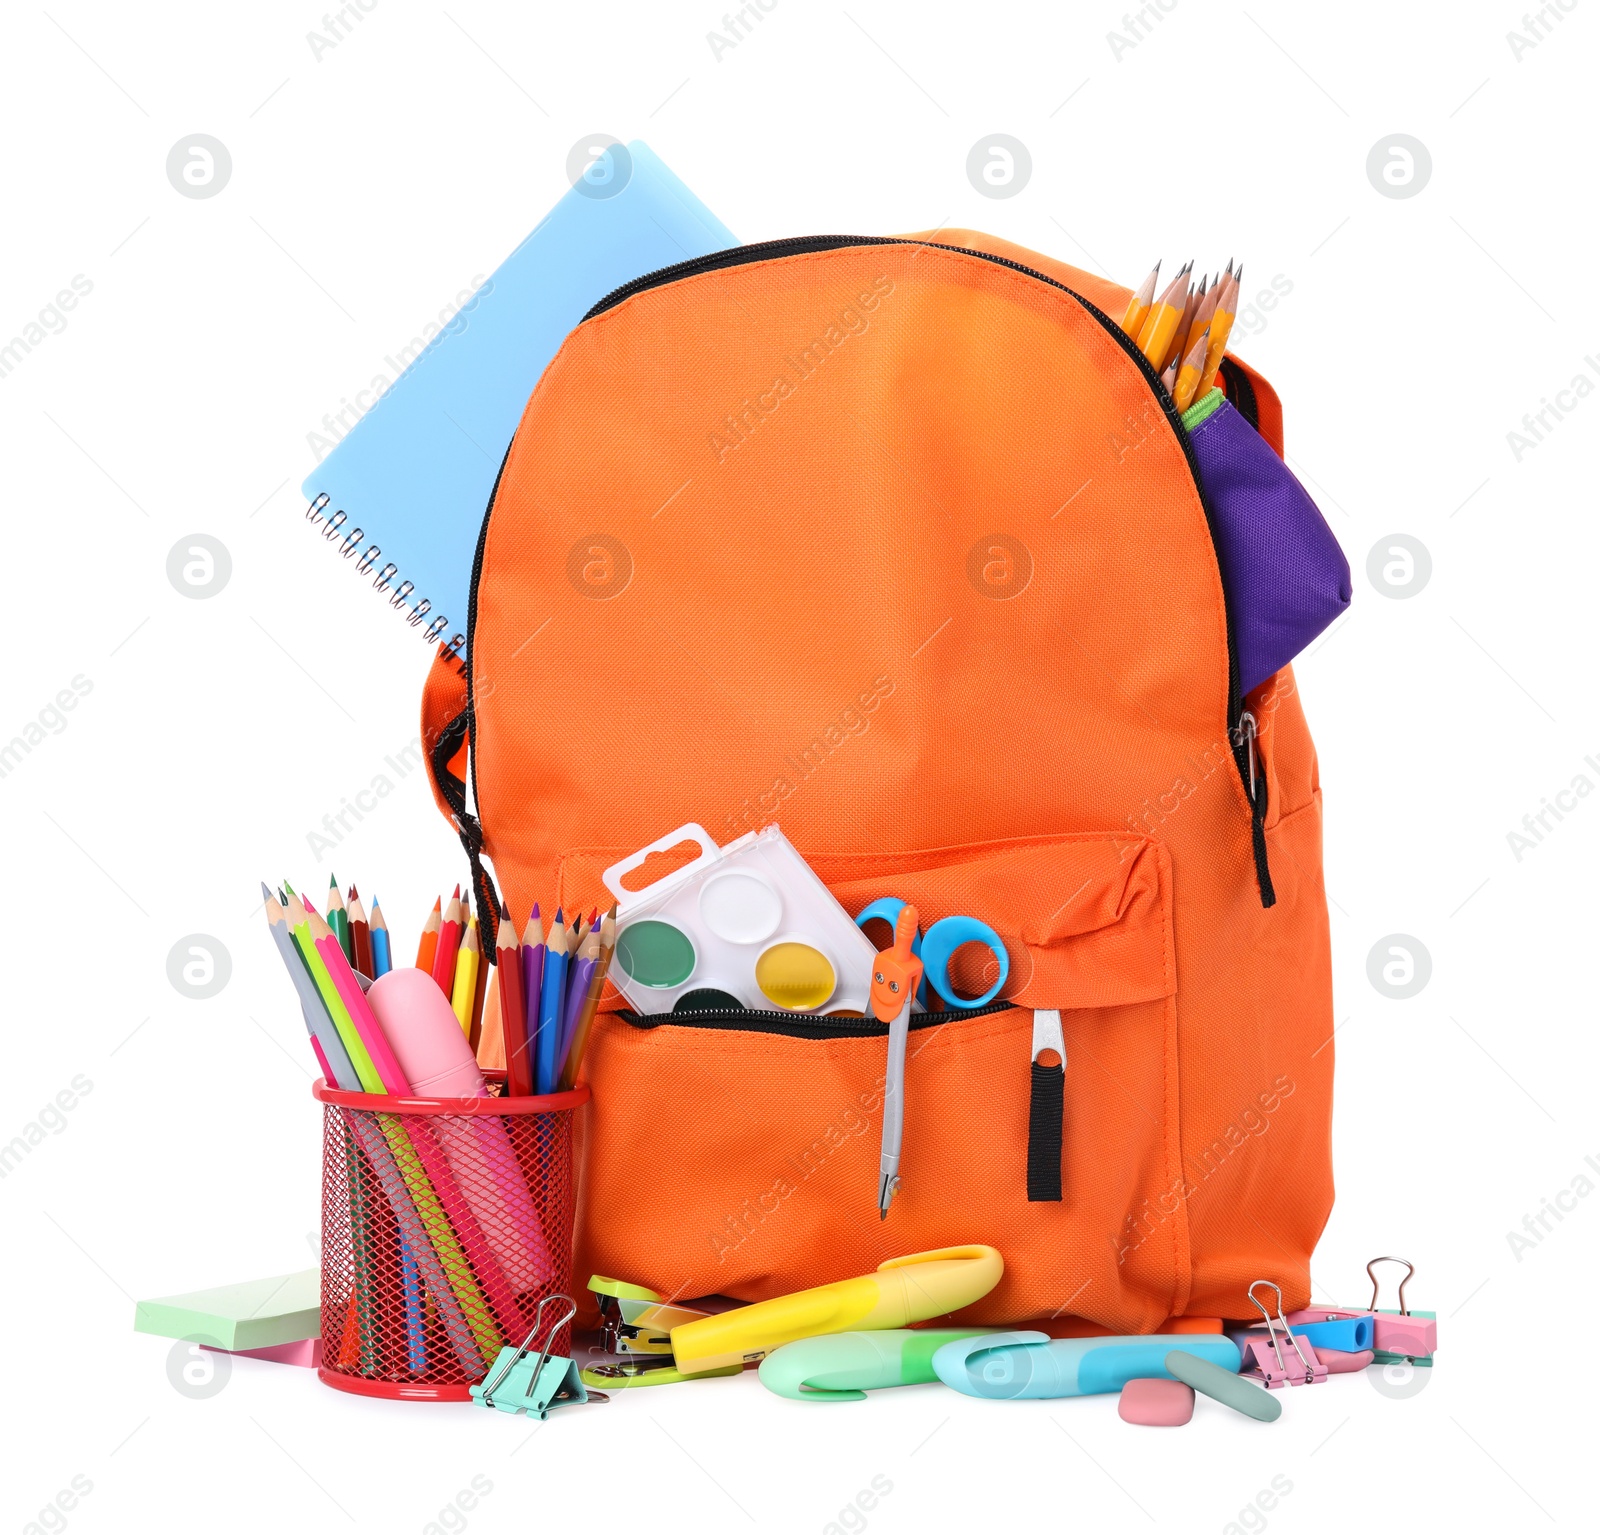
{"x":1286,"y":576}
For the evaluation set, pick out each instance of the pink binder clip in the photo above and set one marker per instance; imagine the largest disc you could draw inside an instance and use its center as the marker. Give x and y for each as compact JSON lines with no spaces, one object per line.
{"x":1405,"y":1335}
{"x":1267,"y":1359}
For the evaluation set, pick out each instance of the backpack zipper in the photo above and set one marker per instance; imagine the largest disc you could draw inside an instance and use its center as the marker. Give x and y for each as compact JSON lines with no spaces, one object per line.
{"x":791,"y":1026}
{"x":1243,"y":751}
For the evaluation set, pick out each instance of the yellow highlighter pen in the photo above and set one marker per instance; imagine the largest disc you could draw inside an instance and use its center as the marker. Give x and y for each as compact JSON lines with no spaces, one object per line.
{"x":900,"y":1292}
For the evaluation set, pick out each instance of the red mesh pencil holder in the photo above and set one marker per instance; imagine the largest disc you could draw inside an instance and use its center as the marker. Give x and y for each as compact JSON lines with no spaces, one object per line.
{"x":445,"y":1221}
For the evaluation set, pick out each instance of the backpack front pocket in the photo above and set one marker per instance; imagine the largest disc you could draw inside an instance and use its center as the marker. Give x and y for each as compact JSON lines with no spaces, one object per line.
{"x":736,"y":1152}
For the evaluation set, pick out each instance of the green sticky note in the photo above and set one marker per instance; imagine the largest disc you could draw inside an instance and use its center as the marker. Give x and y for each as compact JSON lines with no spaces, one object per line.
{"x":255,"y":1314}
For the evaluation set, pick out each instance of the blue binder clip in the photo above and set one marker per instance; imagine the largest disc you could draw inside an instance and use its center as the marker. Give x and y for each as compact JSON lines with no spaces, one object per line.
{"x":533,"y":1386}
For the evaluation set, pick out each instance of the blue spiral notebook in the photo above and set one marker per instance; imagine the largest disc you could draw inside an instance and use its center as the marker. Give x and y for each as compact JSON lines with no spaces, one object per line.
{"x":403,"y":494}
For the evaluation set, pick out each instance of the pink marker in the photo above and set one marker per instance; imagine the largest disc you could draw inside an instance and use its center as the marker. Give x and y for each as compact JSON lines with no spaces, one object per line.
{"x":389,"y":1070}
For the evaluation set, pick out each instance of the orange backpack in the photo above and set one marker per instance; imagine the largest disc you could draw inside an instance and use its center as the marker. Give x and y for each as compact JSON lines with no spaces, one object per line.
{"x":896,"y":543}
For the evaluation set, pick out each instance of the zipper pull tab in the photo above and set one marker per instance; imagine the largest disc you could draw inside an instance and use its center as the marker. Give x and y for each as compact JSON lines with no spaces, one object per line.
{"x":1247,"y":730}
{"x":1047,"y":1093}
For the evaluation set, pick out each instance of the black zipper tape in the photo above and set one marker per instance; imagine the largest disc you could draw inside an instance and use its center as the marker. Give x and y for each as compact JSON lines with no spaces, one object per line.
{"x":1240,"y":392}
{"x":468,"y":827}
{"x":795,"y":1026}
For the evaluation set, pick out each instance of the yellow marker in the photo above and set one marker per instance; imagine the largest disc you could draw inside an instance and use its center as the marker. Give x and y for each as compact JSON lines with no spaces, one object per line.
{"x":1221,"y":324}
{"x":1162,"y":322}
{"x":1139,"y":304}
{"x":465,"y":988}
{"x":902,"y":1291}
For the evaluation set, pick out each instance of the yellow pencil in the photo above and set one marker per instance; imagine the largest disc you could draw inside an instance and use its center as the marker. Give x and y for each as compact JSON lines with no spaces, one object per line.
{"x":1221,"y":324}
{"x":1175,"y":347}
{"x":1189,"y":373}
{"x":465,"y":989}
{"x":1162,"y":321}
{"x":1139,"y":304}
{"x":1202,"y":314}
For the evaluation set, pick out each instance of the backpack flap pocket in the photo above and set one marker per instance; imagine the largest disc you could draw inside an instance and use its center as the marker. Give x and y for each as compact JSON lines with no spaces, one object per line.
{"x":737,"y":1152}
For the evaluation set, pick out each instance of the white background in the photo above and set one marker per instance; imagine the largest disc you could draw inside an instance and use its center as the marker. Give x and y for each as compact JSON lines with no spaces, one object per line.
{"x":368,"y":187}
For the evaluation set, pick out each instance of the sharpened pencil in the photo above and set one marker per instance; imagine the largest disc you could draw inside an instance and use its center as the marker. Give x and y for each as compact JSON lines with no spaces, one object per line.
{"x":428,"y":943}
{"x":360,"y":936}
{"x":378,"y":934}
{"x":465,"y":983}
{"x":444,"y":956}
{"x":591,"y":1004}
{"x":338,"y":918}
{"x":552,"y":1001}
{"x":508,"y":976}
{"x":1139,"y":304}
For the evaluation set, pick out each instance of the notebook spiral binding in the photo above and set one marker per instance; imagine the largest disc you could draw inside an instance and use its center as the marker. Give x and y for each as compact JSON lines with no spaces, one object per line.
{"x":332,"y":526}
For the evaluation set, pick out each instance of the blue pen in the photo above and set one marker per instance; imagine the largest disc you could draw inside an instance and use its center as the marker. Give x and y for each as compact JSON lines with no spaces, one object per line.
{"x":552,"y":995}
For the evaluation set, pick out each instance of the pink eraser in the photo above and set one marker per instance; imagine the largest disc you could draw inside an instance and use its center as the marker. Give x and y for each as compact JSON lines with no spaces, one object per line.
{"x":426,"y":1036}
{"x":1340,"y":1363}
{"x":1156,"y":1403}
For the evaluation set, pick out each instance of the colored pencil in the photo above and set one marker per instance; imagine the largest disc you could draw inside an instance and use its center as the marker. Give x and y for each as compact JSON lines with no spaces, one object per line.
{"x":532,"y":976}
{"x":329,"y":1047}
{"x":378,"y":934}
{"x":491,"y":1047}
{"x":552,"y":1001}
{"x":508,"y":975}
{"x":360,"y":936}
{"x":591,"y":1005}
{"x":581,"y":971}
{"x":465,"y":987}
{"x":444,"y":957}
{"x":479,"y":993}
{"x":338,"y":918}
{"x":429,"y":942}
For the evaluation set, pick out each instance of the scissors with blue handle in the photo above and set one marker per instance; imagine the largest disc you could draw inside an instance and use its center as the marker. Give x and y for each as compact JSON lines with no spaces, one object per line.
{"x":900,"y":974}
{"x":937,"y":947}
